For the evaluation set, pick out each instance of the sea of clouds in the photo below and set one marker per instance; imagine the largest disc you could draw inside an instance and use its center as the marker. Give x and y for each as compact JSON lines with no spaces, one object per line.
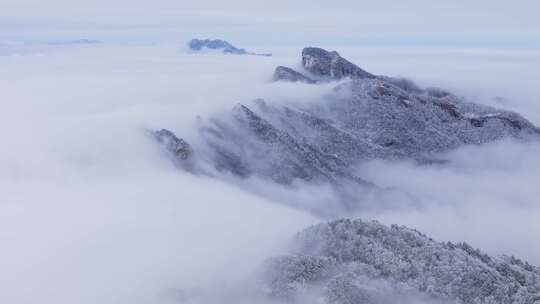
{"x":93,"y":211}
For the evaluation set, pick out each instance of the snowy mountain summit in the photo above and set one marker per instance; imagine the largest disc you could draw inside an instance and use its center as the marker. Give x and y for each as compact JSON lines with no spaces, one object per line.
{"x":198,"y":45}
{"x":365,"y":117}
{"x":355,"y":261}
{"x":322,"y":65}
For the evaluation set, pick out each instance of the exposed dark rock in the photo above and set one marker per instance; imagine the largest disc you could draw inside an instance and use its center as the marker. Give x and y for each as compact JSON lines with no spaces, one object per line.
{"x":180,"y":151}
{"x":330,"y":65}
{"x":287,"y":74}
{"x":178,"y":147}
{"x":217,"y":44}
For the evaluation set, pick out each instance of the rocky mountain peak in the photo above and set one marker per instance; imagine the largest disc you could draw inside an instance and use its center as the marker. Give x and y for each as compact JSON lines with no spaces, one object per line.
{"x":197,"y":45}
{"x":329,"y":64}
{"x":287,"y":74}
{"x":173,"y":144}
{"x":369,"y":117}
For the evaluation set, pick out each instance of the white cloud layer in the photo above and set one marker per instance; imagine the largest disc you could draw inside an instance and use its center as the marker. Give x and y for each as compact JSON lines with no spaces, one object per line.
{"x":487,"y":196}
{"x":92,"y":211}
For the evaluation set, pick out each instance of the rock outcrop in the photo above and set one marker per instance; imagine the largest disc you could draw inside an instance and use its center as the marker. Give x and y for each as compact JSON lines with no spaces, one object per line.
{"x":178,"y":149}
{"x":331,"y":65}
{"x":353,"y":261}
{"x":287,"y":74}
{"x":197,"y":45}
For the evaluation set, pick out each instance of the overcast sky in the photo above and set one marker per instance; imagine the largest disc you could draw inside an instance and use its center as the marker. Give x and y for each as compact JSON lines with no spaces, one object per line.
{"x":459,"y":23}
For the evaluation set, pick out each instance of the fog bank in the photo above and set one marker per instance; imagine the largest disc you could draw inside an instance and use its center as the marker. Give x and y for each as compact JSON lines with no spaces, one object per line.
{"x":92,"y":210}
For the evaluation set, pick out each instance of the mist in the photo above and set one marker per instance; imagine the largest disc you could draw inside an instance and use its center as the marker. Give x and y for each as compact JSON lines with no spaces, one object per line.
{"x":486,"y":196}
{"x":93,"y":211}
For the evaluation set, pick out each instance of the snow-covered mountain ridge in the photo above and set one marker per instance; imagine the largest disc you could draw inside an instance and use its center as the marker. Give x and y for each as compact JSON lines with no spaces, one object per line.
{"x":366,"y":117}
{"x":355,"y":261}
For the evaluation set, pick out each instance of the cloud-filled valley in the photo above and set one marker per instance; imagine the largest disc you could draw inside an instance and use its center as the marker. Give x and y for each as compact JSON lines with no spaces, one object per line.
{"x":93,"y":210}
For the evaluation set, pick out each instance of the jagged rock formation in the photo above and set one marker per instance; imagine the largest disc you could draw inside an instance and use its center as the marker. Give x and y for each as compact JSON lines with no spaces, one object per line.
{"x":352,"y":261}
{"x":178,"y":147}
{"x":248,"y":143}
{"x":368,"y":117}
{"x":287,"y":74}
{"x":330,"y":65}
{"x":322,"y":66}
{"x":180,"y":151}
{"x":217,"y":44}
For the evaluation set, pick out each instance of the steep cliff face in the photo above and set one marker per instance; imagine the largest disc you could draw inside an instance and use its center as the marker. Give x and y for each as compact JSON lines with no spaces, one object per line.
{"x":367,"y":117}
{"x":353,"y":261}
{"x":287,"y":74}
{"x":330,"y":65}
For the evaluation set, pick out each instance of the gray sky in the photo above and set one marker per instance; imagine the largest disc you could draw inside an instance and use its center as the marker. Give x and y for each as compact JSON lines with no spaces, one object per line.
{"x":479,"y":23}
